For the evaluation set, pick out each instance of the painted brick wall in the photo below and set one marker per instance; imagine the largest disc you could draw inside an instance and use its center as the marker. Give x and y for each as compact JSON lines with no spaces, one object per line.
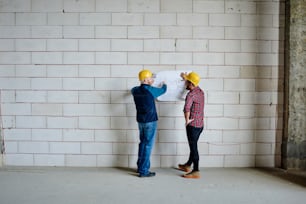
{"x":66,"y":68}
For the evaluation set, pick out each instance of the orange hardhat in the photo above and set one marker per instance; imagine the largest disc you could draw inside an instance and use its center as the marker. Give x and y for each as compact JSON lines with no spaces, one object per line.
{"x":193,"y":78}
{"x":145,"y":74}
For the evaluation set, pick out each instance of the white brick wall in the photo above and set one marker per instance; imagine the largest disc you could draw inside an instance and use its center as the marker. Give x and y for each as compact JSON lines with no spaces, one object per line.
{"x":50,"y":32}
{"x":67,"y":67}
{"x":111,"y":6}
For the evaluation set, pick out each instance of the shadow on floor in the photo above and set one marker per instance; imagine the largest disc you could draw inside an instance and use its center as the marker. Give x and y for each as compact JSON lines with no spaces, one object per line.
{"x":294,"y":176}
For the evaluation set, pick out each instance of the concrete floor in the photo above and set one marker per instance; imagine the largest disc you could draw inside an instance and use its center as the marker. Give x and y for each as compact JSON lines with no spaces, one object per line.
{"x":20,"y":185}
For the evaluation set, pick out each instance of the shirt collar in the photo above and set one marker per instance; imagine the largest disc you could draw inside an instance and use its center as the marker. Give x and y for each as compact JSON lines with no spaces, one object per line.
{"x":195,"y":88}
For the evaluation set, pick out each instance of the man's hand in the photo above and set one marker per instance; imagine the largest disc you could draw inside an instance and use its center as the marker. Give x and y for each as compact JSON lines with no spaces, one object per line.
{"x":188,"y":121}
{"x":183,"y":75}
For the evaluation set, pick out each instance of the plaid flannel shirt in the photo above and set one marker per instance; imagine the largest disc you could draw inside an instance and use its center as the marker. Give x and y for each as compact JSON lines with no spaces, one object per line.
{"x":194,"y":103}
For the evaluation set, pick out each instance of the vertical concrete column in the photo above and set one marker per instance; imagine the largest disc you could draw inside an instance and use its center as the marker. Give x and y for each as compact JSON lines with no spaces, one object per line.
{"x":294,"y":151}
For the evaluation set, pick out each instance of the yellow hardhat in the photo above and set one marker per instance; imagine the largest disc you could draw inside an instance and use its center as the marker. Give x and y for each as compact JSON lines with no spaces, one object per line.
{"x":144,"y":74}
{"x":193,"y":78}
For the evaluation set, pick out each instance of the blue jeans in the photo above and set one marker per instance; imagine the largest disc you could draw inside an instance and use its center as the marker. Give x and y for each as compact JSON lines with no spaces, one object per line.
{"x":147,"y":133}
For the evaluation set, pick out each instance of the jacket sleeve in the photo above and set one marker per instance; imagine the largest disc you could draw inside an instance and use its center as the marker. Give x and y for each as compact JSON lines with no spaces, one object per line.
{"x":156,"y":92}
{"x":132,"y":90}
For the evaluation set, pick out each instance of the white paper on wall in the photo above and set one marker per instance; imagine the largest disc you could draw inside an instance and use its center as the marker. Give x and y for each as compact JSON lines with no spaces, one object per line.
{"x":175,"y":85}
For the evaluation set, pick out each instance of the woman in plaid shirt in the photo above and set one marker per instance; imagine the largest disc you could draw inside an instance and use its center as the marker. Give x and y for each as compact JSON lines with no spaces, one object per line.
{"x":194,"y":114}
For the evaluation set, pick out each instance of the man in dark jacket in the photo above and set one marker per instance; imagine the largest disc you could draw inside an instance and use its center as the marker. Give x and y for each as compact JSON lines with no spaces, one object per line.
{"x":144,"y":98}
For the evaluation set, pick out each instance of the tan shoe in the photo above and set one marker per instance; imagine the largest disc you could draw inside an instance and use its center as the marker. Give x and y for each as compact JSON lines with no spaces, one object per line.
{"x":193,"y":174}
{"x":184,"y":167}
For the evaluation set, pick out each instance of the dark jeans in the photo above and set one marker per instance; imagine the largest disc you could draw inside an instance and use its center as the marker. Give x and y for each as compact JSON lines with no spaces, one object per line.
{"x":193,"y":134}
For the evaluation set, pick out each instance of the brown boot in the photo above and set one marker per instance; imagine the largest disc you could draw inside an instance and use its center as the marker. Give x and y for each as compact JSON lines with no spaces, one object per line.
{"x":184,"y":167}
{"x":193,"y":174}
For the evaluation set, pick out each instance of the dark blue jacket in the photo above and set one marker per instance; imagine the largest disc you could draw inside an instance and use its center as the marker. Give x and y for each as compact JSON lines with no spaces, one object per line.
{"x":144,"y":98}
